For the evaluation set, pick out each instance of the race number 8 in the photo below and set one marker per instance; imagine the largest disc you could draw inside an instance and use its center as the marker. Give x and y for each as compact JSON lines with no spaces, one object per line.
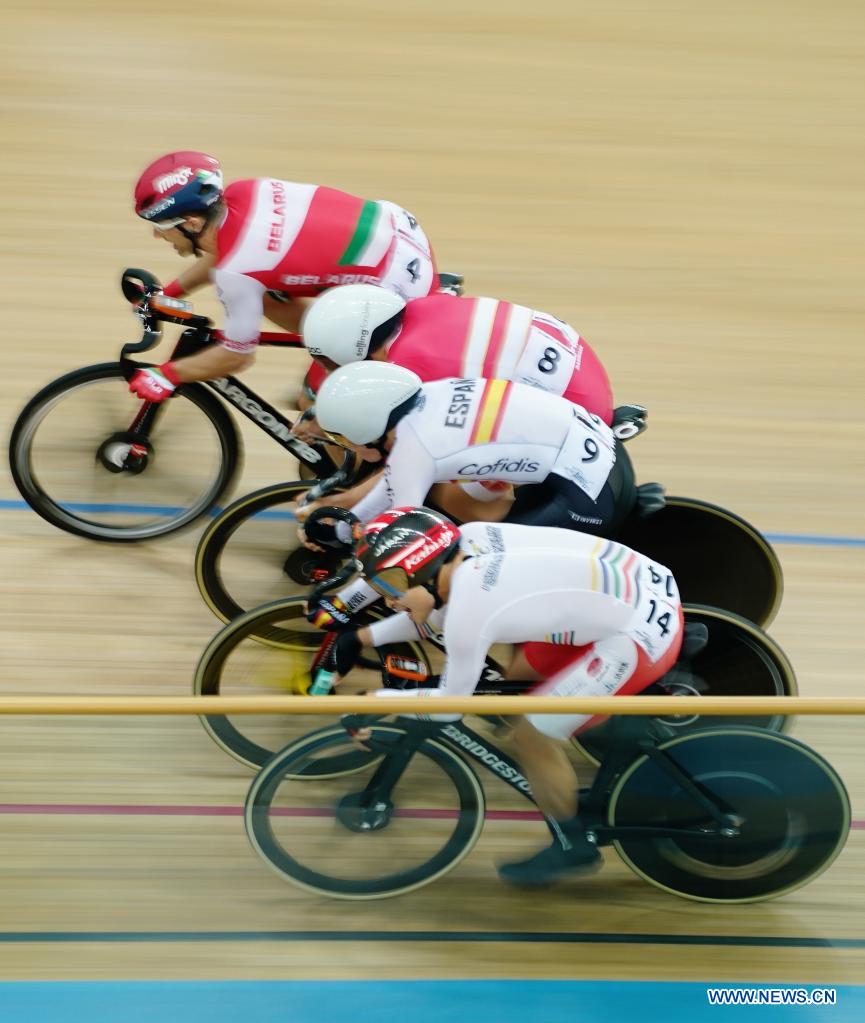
{"x":548,"y":363}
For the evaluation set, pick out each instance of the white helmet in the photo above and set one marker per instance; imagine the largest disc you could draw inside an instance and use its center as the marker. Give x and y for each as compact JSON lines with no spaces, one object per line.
{"x":340,"y":323}
{"x":365,"y":400}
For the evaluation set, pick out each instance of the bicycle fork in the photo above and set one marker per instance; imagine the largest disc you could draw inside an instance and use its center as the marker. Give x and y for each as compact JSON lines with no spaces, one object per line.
{"x":372,"y":808}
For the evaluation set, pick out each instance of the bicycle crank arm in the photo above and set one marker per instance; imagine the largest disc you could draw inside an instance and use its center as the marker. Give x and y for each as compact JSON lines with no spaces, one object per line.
{"x":607,"y":834}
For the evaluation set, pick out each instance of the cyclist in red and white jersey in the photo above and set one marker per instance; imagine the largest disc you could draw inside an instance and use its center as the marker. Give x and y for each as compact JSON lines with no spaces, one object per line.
{"x":268,"y":235}
{"x":477,"y":429}
{"x":590,"y":617}
{"x":447,"y":336}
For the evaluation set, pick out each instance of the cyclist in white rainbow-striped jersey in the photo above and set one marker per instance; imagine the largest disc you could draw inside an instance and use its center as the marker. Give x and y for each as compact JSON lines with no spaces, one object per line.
{"x":588,"y":616}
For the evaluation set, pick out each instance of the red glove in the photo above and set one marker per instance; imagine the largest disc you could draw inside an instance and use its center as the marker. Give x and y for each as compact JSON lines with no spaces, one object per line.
{"x":156,"y":383}
{"x":173,"y":290}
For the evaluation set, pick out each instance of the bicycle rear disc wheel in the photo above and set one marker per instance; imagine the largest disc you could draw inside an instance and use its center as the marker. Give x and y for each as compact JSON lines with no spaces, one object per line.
{"x":240,"y":561}
{"x":718,"y":558}
{"x":313,"y":830}
{"x":793,"y":808}
{"x":739,"y":659}
{"x":270,"y":650}
{"x":67,"y":457}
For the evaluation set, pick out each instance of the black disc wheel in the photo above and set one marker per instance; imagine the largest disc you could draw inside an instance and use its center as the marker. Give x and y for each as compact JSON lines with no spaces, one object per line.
{"x":250,"y":553}
{"x":394,"y":823}
{"x":718,"y":558}
{"x":739,"y":659}
{"x":787,"y":811}
{"x":271,"y":650}
{"x":81,"y":461}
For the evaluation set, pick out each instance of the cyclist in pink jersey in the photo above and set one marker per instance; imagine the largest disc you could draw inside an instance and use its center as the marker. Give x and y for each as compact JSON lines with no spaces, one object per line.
{"x":445,"y":336}
{"x":262,"y":238}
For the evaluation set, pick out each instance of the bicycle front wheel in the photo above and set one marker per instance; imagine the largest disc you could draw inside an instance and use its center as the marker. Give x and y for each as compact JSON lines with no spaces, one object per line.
{"x":72,"y":463}
{"x":271,"y":649}
{"x":241,"y":558}
{"x":337,"y":835}
{"x":790,"y":808}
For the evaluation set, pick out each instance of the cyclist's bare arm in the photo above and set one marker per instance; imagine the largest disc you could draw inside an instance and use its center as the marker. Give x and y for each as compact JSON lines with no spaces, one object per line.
{"x":347,"y":499}
{"x":213,"y":362}
{"x":286,"y":314}
{"x":197,"y":275}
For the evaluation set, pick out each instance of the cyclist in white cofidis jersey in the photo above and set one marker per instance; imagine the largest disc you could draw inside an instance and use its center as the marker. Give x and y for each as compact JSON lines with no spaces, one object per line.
{"x":590,"y":616}
{"x":562,"y":459}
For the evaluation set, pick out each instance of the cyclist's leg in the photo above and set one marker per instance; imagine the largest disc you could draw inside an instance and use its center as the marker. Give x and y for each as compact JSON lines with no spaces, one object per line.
{"x":615,"y":665}
{"x":610,"y":665}
{"x":284,"y":310}
{"x":559,"y":503}
{"x":461,"y":506}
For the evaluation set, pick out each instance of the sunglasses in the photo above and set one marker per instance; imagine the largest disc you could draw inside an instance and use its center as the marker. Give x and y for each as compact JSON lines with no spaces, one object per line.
{"x":166,"y":225}
{"x":339,"y":440}
{"x":390,"y":582}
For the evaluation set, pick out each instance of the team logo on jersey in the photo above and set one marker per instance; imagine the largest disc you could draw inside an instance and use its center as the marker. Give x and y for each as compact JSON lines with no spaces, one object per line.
{"x":520,"y":465}
{"x":415,"y":556}
{"x":274,"y":242}
{"x":461,"y":403}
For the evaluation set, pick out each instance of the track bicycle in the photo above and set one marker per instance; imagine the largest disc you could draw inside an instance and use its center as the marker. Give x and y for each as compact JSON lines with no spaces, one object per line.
{"x":726,"y":814}
{"x":248,"y":555}
{"x":273,"y":648}
{"x":97,"y":461}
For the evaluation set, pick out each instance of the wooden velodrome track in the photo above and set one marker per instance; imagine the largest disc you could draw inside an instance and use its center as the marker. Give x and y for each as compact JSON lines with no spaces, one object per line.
{"x":683,"y":184}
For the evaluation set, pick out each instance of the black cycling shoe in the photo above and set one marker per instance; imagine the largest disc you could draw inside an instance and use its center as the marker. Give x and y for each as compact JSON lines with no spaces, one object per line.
{"x":553,"y":864}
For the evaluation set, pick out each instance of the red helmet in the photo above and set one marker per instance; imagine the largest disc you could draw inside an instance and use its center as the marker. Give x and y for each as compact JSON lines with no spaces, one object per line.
{"x":176,"y":185}
{"x":407,"y":549}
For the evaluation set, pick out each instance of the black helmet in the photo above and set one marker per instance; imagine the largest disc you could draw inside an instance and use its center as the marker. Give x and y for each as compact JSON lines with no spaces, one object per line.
{"x":408,"y":550}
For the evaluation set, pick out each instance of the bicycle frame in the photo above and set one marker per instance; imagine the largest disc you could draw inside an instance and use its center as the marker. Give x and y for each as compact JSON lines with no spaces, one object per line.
{"x":153,"y":309}
{"x":479,"y":750}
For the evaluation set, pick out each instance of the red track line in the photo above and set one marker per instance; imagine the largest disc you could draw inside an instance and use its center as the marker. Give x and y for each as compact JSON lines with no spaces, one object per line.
{"x":138,"y":810}
{"x":133,"y":810}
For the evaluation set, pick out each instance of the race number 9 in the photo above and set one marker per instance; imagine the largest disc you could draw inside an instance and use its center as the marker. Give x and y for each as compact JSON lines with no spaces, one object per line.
{"x":591,"y":449}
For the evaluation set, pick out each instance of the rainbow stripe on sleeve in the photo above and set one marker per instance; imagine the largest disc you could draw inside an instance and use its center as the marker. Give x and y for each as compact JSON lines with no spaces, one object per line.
{"x":614,"y":571}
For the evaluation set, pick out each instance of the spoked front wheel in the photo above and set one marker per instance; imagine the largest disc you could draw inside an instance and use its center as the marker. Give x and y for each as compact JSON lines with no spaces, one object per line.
{"x":78,"y":462}
{"x":789,"y":811}
{"x":270,"y":650}
{"x":399,"y":820}
{"x":250,"y":553}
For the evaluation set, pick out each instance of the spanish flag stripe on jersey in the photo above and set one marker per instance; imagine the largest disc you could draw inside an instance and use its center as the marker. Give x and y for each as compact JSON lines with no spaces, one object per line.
{"x":491,"y":410}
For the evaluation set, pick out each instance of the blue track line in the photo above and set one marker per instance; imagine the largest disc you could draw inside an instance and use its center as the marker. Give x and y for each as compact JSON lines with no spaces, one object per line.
{"x":800,"y":539}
